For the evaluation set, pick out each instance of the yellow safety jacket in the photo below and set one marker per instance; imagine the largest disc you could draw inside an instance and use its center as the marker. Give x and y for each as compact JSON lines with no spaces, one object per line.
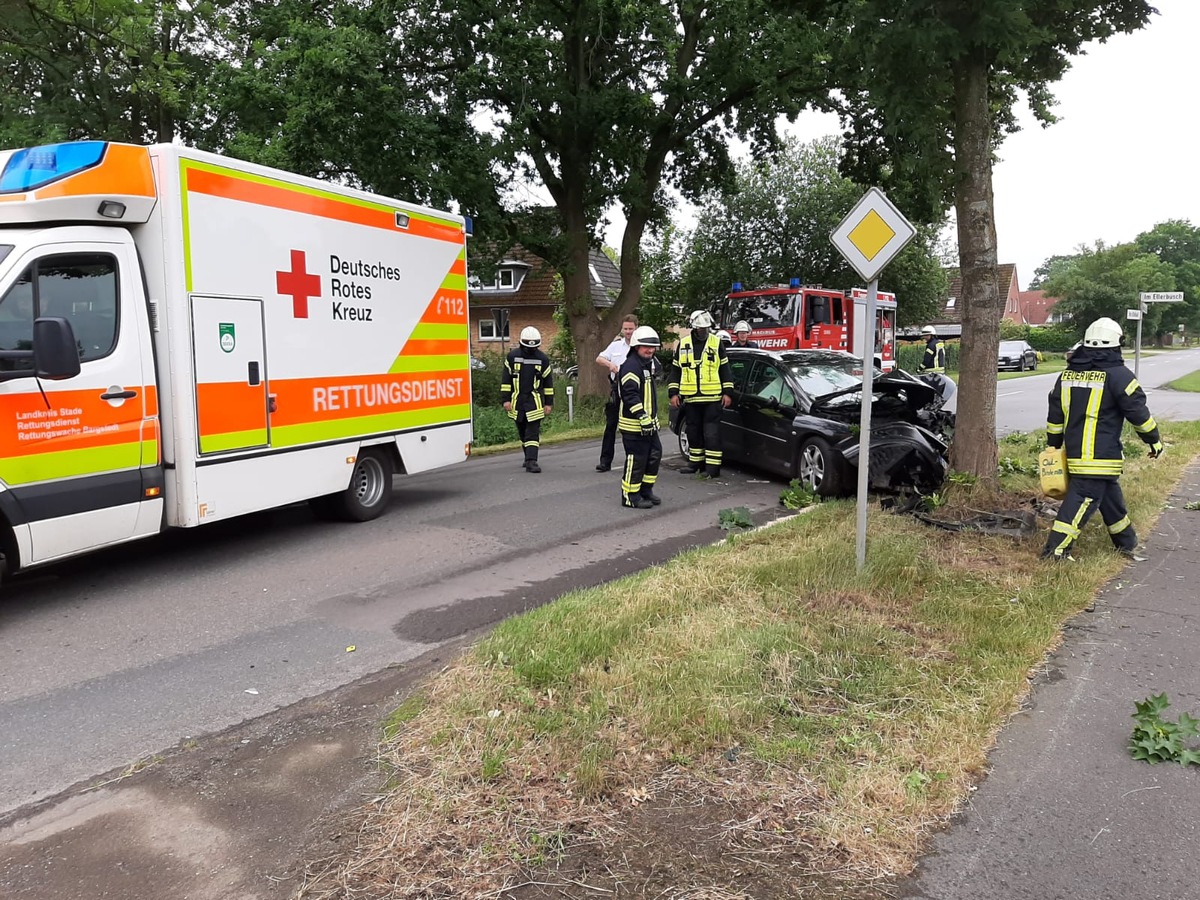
{"x":703,"y":377}
{"x":527,"y":383}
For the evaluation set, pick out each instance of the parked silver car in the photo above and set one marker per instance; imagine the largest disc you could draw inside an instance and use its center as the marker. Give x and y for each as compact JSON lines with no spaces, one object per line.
{"x":1017,"y":355}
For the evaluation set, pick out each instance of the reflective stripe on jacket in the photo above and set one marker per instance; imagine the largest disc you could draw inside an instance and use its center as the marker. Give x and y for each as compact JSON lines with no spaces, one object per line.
{"x":639,"y":399}
{"x":527,"y":383}
{"x":703,"y":379}
{"x":1089,"y":405}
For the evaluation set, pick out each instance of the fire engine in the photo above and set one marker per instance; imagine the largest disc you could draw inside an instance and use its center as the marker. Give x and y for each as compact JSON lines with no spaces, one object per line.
{"x":802,"y":317}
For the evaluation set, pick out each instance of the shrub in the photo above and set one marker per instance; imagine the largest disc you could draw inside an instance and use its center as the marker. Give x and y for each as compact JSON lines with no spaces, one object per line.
{"x":485,"y":383}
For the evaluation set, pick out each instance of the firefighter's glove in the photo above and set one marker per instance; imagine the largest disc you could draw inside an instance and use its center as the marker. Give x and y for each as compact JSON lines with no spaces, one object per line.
{"x":1157,"y":449}
{"x":649,"y":426}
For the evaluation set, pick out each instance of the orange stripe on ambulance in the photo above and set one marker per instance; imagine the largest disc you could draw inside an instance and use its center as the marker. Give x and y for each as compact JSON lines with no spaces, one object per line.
{"x":189,"y":338}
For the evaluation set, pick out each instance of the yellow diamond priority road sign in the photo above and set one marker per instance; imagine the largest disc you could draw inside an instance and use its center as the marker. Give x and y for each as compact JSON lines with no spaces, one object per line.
{"x":872,"y":234}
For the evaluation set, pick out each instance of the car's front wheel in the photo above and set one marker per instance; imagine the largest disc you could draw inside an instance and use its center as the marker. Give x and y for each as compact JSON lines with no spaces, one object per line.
{"x":821,"y":467}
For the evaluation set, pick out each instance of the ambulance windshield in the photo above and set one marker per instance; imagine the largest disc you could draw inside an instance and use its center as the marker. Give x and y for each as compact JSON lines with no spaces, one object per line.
{"x":34,"y":167}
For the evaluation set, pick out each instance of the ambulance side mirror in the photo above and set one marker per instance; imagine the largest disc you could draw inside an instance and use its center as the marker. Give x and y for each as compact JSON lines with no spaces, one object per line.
{"x":55,"y":352}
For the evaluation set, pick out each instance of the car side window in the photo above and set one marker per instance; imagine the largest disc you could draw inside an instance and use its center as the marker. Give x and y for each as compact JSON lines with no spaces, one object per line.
{"x":738,"y":369}
{"x":767,"y":383}
{"x":79,"y":287}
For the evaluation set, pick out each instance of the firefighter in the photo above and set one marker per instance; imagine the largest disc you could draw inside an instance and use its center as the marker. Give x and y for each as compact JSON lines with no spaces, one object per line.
{"x":528,"y":391}
{"x":1089,"y":405}
{"x":741,"y":335}
{"x":611,"y":359}
{"x":638,"y":422}
{"x":701,"y":382}
{"x":935,"y":352}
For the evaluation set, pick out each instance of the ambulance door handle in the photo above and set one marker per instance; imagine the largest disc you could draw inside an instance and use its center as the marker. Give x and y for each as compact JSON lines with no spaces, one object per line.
{"x":118,"y":395}
{"x":252,"y":376}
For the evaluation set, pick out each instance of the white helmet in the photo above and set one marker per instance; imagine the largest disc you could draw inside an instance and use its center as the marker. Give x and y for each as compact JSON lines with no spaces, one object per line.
{"x":1102,"y":333}
{"x":928,"y":329}
{"x":700,"y":319}
{"x":742,"y":327}
{"x":724,"y":336}
{"x":644,"y":336}
{"x":530,"y":337}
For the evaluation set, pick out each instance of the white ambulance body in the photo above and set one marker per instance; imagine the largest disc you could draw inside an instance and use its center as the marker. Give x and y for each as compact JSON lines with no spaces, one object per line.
{"x":186,"y":338}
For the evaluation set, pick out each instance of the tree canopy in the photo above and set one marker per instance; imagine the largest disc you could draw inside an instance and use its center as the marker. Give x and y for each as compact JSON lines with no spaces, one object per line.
{"x":773,"y":224}
{"x":930,"y":89}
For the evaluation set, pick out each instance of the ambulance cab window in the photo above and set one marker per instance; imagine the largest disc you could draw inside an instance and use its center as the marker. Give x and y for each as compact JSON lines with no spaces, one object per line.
{"x":82,"y":288}
{"x":16,"y":322}
{"x":79,"y":287}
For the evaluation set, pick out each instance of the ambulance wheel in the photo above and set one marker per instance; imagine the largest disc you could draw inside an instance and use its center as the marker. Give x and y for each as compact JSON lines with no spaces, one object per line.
{"x":369,"y":492}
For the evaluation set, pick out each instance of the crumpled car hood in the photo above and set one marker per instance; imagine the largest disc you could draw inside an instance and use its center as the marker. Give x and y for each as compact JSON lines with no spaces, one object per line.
{"x":910,"y":430}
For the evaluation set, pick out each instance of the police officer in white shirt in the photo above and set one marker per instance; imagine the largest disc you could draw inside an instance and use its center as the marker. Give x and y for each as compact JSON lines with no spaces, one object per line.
{"x":611,"y":359}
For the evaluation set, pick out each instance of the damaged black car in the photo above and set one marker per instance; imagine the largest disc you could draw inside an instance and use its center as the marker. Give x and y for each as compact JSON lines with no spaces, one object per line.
{"x":796,"y":414}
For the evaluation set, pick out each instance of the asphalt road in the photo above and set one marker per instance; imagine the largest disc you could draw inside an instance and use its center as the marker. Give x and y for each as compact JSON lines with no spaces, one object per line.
{"x":112,"y":657}
{"x":1021,"y":402}
{"x":115,"y":656}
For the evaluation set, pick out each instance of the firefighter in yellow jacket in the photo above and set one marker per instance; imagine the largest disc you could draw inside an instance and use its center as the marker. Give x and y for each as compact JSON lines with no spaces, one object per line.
{"x":638,"y":420}
{"x":1089,"y":405}
{"x":701,"y":381}
{"x":934,"y":359}
{"x":527,"y":389}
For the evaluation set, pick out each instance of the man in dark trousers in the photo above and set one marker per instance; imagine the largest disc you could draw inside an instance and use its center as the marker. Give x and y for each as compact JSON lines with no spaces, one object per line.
{"x":701,"y":381}
{"x":935,"y":352}
{"x":528,"y":392}
{"x":611,"y":358}
{"x":638,"y":421}
{"x":1089,"y":405}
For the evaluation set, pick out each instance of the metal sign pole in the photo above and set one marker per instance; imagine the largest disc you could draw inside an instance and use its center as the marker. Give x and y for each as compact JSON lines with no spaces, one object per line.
{"x":1137,"y":350}
{"x":864,"y":420}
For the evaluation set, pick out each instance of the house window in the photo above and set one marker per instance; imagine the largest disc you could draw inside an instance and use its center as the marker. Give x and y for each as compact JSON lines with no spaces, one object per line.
{"x":488,"y":330}
{"x":950,"y":303}
{"x":504,"y":278}
{"x":595,"y":274}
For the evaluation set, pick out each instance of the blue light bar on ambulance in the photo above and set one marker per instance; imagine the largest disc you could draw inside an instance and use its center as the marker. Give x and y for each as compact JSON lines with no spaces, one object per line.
{"x":737,"y":286}
{"x":35,"y":167}
{"x":794,"y":283}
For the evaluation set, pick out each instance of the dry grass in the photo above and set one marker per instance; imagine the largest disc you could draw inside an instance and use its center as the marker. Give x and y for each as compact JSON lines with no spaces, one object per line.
{"x":800,"y":717}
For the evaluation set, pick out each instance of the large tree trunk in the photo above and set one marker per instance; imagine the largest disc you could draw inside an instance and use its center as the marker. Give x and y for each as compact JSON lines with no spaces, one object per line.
{"x":974,"y":449}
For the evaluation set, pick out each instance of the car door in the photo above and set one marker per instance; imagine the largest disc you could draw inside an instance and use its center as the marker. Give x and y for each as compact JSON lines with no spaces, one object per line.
{"x":768,"y":408}
{"x":733,"y":442}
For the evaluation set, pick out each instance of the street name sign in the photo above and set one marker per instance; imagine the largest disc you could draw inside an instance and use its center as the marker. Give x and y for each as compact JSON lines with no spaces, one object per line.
{"x":1162,"y":296}
{"x":872,"y":234}
{"x":1132,"y":314}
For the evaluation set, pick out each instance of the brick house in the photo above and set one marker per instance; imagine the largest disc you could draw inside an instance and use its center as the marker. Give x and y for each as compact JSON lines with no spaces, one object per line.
{"x":948,"y":323}
{"x":1038,"y":308}
{"x":526,"y":291}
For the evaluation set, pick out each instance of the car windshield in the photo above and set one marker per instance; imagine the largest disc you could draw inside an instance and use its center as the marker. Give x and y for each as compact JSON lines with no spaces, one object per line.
{"x":828,"y":375}
{"x":1011,"y":347}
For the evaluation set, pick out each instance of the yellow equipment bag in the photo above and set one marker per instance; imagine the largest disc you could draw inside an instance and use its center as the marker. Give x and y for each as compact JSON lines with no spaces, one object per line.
{"x":1052,"y":469}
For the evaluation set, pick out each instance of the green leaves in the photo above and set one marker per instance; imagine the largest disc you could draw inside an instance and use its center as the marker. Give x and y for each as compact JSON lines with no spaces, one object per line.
{"x":737,"y":517}
{"x":798,"y":495}
{"x":1156,"y":739}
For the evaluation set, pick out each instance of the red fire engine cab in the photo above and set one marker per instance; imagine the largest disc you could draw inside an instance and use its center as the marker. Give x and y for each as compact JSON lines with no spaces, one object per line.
{"x":803,"y":317}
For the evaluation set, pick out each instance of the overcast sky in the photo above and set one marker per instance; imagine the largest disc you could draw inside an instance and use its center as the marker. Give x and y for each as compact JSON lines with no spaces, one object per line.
{"x":1124,"y":156}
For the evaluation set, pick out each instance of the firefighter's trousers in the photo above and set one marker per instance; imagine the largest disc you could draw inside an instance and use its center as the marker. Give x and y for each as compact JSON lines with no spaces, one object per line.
{"x":642,"y":456}
{"x":703,"y":424}
{"x":1086,"y":494}
{"x":530,"y":434}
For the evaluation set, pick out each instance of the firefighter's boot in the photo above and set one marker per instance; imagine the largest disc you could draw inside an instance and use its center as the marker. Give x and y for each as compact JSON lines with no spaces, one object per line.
{"x":647,"y":493}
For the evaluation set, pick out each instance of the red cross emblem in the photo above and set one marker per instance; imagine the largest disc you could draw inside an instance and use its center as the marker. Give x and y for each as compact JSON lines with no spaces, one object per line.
{"x":299,"y":285}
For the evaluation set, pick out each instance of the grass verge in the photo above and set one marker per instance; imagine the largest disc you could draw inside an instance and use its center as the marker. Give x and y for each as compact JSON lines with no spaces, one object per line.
{"x":1048,"y":365}
{"x":834,"y":718}
{"x":1186,"y":383}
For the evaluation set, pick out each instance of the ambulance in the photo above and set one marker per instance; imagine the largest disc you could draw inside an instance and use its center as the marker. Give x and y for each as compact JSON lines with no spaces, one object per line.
{"x":186,"y":338}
